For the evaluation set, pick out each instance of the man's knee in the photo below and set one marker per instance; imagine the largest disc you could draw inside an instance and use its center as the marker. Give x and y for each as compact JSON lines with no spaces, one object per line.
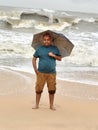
{"x":38,"y":92}
{"x":52,"y":91}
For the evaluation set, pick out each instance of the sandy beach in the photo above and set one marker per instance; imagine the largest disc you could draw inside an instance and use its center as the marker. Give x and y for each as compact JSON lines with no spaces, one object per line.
{"x":17,"y":97}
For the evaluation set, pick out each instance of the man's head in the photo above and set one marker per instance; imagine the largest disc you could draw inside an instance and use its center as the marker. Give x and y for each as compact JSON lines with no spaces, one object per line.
{"x":47,"y":39}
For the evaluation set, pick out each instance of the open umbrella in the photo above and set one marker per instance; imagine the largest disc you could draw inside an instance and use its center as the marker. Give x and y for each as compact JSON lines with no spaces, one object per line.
{"x":64,"y":45}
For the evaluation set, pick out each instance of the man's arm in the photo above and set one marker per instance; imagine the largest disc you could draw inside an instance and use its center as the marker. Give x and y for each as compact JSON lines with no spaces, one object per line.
{"x":34,"y":64}
{"x":55,"y":56}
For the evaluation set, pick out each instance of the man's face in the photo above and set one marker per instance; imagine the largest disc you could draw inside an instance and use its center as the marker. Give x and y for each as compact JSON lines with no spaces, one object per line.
{"x":46,"y":41}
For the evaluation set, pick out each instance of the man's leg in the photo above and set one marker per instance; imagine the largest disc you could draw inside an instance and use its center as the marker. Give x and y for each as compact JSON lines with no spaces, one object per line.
{"x":38,"y":96}
{"x":40,"y":82}
{"x":51,"y":84}
{"x":51,"y":100}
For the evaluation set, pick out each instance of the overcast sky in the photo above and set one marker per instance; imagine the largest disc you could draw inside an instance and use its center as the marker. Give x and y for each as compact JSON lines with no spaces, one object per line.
{"x":67,"y":5}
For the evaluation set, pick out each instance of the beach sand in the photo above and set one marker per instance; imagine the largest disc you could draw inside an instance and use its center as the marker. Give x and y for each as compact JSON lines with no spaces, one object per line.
{"x":17,"y":97}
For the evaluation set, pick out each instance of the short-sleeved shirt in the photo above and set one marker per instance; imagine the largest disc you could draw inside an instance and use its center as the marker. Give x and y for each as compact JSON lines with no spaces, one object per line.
{"x":46,"y":63}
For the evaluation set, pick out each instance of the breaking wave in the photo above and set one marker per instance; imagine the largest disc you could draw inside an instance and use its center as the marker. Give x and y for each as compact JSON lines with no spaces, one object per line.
{"x":43,"y":19}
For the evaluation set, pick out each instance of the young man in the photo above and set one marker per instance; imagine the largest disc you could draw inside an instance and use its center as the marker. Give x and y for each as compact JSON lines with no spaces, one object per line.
{"x":46,"y":71}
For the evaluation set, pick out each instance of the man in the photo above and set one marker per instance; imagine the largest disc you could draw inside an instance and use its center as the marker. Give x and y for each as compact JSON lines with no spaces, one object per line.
{"x":46,"y":71}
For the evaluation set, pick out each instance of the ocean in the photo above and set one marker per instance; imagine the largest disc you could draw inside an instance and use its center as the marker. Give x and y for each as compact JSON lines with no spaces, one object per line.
{"x":18,"y":25}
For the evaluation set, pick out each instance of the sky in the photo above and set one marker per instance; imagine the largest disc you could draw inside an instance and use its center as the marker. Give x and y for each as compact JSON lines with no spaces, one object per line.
{"x":90,"y":6}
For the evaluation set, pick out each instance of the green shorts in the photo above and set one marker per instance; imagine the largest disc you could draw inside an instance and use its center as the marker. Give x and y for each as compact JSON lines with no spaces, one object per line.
{"x":43,"y":78}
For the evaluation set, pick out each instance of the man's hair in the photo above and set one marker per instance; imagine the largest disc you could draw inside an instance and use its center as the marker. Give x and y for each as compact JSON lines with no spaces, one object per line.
{"x":47,"y":34}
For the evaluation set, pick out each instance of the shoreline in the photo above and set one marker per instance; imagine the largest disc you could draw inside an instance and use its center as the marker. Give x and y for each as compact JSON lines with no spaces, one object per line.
{"x":83,"y":75}
{"x":25,"y":83}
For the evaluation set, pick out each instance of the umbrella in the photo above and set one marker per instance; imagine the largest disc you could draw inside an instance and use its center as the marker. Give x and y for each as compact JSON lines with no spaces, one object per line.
{"x":64,"y":45}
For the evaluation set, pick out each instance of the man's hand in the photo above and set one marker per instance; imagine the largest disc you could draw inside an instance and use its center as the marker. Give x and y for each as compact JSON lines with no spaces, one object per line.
{"x":55,"y":56}
{"x":36,"y":71}
{"x":51,"y":54}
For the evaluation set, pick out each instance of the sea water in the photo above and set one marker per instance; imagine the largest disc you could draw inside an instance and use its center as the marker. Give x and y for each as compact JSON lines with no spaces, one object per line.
{"x":18,"y":25}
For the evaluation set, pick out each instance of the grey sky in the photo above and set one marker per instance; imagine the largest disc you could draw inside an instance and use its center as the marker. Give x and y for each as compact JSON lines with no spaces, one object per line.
{"x":70,"y":5}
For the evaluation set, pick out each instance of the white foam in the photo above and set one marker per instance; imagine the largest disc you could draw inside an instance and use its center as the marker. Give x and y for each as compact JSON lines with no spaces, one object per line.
{"x":94,"y":83}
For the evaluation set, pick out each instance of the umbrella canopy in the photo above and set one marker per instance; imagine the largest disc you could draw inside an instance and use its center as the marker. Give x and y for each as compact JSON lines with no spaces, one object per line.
{"x":64,"y":45}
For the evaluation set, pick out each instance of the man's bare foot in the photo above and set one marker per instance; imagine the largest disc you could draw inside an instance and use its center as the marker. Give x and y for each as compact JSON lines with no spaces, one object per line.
{"x":36,"y":107}
{"x":52,"y":108}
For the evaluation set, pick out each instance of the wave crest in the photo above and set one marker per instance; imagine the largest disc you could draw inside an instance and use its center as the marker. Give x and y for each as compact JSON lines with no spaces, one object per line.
{"x":42,"y":19}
